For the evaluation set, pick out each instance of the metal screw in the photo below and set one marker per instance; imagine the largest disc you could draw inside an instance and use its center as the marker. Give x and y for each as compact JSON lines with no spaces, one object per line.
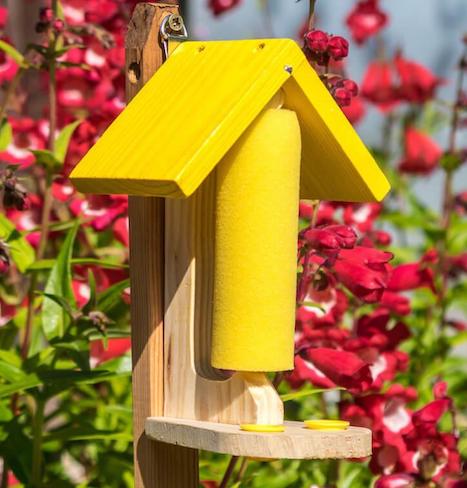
{"x":176,"y":23}
{"x":288,"y":68}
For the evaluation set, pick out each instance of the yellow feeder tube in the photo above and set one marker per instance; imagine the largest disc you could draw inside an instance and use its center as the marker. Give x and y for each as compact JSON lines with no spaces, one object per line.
{"x":256,"y":247}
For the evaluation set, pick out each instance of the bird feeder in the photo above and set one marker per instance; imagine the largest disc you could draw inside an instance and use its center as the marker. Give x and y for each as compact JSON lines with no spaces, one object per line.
{"x":223,"y":140}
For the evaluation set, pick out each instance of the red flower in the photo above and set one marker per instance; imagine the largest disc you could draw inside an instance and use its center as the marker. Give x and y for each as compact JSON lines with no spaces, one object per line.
{"x":365,"y":20}
{"x":440,"y":390}
{"x":26,"y":136}
{"x":363,"y":271}
{"x":103,"y":210}
{"x":3,"y":16}
{"x":399,"y":480}
{"x":306,"y":371}
{"x":115,"y":349}
{"x":8,"y":68}
{"x":431,"y":413}
{"x":422,"y":154}
{"x":331,"y":237}
{"x":219,"y":7}
{"x":417,"y":83}
{"x":411,"y":276}
{"x":342,"y":368}
{"x":396,"y":303}
{"x":379,"y":86}
{"x":355,"y":111}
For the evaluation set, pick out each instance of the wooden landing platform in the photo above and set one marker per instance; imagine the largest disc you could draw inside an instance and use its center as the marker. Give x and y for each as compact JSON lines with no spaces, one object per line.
{"x":296,"y":442}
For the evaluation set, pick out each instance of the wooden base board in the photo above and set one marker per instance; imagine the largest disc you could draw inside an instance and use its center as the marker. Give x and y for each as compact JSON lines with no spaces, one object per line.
{"x":296,"y":442}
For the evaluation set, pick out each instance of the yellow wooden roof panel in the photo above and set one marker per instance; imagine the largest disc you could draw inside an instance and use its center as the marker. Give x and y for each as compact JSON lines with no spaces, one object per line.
{"x":186,"y":118}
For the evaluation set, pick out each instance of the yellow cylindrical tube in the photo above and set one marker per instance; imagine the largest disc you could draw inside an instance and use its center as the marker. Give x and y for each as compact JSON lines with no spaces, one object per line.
{"x":256,"y":247}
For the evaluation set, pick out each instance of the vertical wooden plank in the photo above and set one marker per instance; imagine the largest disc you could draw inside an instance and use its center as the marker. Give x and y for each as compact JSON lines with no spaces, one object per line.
{"x":157,"y":465}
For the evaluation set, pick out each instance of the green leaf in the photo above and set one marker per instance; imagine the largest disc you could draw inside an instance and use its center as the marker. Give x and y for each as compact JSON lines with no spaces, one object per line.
{"x":13,"y":53}
{"x":63,"y":141}
{"x":10,"y":367}
{"x":6,"y":134}
{"x":86,"y":433}
{"x":301,"y":394}
{"x":62,"y":302}
{"x":54,"y":318}
{"x":45,"y":264}
{"x":21,"y":251}
{"x":61,"y":380}
{"x":112,"y":296}
{"x":46,"y":158}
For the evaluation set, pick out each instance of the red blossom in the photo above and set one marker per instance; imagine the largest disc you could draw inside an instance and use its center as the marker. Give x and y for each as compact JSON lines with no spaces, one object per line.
{"x":421,"y":153}
{"x":398,"y":480}
{"x":431,"y":413}
{"x":396,"y":303}
{"x":101,"y":210}
{"x":115,"y":349}
{"x":342,"y":368}
{"x":355,"y":111}
{"x":219,"y":7}
{"x":365,"y":20}
{"x":417,"y":83}
{"x":410,"y":277}
{"x":440,"y":390}
{"x":364,"y":271}
{"x":379,"y":85}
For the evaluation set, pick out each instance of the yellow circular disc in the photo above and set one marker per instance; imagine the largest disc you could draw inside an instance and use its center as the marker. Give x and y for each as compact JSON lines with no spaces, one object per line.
{"x":327,"y":424}
{"x":262,"y":428}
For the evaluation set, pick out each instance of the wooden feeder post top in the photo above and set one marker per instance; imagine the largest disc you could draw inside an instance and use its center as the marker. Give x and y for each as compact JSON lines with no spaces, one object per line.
{"x":208,"y":94}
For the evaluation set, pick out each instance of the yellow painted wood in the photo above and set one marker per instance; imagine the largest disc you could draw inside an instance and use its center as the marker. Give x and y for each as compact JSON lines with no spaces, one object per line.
{"x":194,"y":109}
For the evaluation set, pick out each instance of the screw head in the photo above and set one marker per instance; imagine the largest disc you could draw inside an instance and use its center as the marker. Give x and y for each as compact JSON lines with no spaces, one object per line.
{"x":176,"y":23}
{"x":288,"y":68}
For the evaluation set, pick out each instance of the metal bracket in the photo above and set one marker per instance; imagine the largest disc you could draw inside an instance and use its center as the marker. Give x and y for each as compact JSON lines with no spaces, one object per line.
{"x":172,"y":31}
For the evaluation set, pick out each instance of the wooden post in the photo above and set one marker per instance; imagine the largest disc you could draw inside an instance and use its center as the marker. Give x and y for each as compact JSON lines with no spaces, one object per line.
{"x":157,"y":465}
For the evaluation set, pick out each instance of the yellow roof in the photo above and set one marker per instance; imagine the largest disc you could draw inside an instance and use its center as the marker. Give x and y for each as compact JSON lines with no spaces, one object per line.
{"x":193,"y":110}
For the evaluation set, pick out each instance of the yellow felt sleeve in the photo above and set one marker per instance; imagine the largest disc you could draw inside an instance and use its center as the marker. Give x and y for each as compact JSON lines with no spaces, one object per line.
{"x":256,"y":247}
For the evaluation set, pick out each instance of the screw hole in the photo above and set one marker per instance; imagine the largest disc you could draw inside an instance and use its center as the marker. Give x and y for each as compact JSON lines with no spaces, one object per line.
{"x":134,"y":73}
{"x":201,"y":49}
{"x":262,"y":45}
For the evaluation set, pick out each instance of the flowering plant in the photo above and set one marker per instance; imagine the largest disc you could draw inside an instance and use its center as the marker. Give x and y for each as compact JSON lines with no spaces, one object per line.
{"x":380,"y":292}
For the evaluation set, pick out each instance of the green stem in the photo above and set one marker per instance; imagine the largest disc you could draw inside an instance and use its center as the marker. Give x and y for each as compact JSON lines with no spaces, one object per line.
{"x":448,"y":193}
{"x":38,"y":426}
{"x":241,"y":471}
{"x":315,"y":210}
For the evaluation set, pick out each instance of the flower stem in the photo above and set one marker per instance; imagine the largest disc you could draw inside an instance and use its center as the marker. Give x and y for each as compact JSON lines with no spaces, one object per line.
{"x":36,"y":475}
{"x":229,"y":471}
{"x":311,"y":17}
{"x":11,"y":90}
{"x":448,"y":192}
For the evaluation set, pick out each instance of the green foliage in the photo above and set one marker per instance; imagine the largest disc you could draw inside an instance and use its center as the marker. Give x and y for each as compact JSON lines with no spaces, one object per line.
{"x":19,"y":248}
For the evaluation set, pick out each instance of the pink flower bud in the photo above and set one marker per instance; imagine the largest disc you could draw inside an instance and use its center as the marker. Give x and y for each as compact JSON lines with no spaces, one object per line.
{"x":343,"y":97}
{"x":46,"y":15}
{"x":58,"y":25}
{"x":351,"y":86}
{"x":317,"y":41}
{"x":338,"y":48}
{"x":440,"y":390}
